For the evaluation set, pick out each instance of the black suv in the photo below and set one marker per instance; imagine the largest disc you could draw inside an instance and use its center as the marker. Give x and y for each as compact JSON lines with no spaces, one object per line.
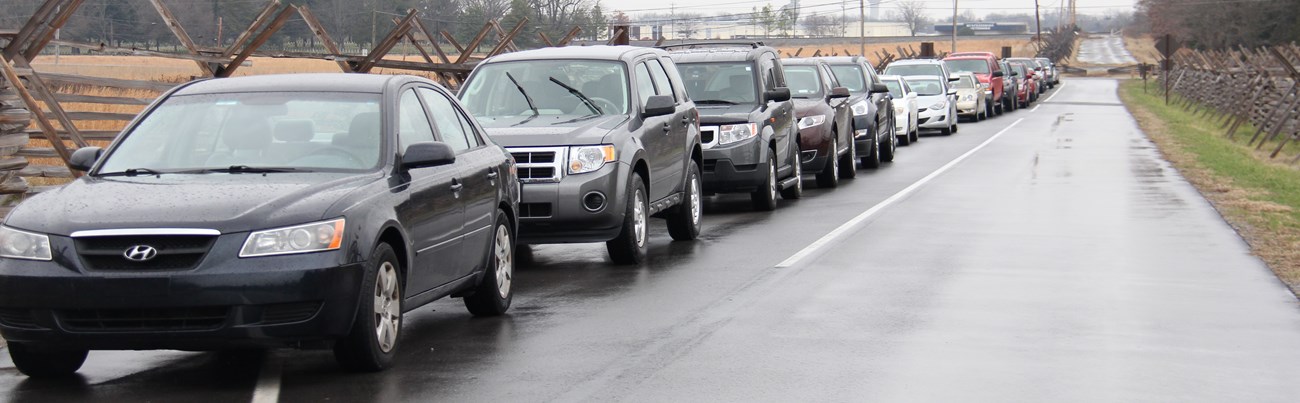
{"x":873,"y":111}
{"x":746,"y":119}
{"x":605,"y":137}
{"x":825,"y":121}
{"x":292,"y":210}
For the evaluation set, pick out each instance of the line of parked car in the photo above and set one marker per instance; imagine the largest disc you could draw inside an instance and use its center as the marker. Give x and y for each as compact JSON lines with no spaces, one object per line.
{"x":315,"y":210}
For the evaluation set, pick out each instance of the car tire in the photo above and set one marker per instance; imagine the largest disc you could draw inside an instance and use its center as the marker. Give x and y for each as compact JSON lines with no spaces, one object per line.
{"x":850,"y":160}
{"x":887,"y":153}
{"x":376,"y":330}
{"x":685,"y":221}
{"x":872,"y":159}
{"x":905,"y":139}
{"x":37,"y":361}
{"x":764,"y":199}
{"x":794,"y":192}
{"x":829,"y":177}
{"x":495,"y":290}
{"x":916,"y":135}
{"x":630,"y":245}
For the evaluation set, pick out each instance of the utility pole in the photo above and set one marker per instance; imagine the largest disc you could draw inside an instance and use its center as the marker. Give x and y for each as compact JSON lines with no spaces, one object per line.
{"x":373,"y":14}
{"x":954,"y":26}
{"x":862,"y":28}
{"x":1038,"y":22}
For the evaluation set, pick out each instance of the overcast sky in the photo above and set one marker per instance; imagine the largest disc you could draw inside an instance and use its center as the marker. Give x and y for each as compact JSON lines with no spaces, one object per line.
{"x":936,"y":8}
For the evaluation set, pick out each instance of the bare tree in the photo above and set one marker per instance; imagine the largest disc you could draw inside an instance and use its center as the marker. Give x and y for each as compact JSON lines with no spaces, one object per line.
{"x":687,"y":25}
{"x":912,"y":12}
{"x":819,"y":25}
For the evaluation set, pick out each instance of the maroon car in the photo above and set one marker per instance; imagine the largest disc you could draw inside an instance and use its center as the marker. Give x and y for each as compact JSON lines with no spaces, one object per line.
{"x":822,"y":109}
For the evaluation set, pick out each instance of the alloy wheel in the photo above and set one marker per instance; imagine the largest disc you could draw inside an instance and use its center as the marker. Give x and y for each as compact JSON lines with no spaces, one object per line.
{"x":387,"y":306}
{"x":504,"y":260}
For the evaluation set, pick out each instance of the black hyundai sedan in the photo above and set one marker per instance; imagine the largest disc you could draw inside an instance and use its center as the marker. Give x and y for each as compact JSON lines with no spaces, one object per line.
{"x":295,"y":210}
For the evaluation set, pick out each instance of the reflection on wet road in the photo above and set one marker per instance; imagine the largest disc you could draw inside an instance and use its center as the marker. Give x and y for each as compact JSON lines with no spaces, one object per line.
{"x":1065,"y":260}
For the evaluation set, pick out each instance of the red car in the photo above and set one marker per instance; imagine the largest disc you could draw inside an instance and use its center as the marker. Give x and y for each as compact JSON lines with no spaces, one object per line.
{"x":1027,"y":93}
{"x":990,"y":76}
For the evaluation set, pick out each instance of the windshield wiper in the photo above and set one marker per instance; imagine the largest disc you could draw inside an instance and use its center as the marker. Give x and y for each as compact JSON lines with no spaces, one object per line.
{"x":715,"y":101}
{"x":531,"y":105}
{"x":131,"y":172}
{"x":238,"y":169}
{"x":585,"y":101}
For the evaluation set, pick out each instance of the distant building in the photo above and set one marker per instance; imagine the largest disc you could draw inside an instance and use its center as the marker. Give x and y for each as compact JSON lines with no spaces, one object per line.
{"x":985,"y":28}
{"x":743,"y":29}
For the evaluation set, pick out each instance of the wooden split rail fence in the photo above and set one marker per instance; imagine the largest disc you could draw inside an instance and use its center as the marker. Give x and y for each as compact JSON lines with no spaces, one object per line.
{"x":1259,"y":88}
{"x":30,"y":96}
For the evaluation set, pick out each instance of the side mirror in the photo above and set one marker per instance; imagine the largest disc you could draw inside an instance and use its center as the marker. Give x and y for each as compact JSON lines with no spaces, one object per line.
{"x":659,"y":105}
{"x":953,"y":77}
{"x":952,"y":91}
{"x":780,"y":94}
{"x":878,"y":88}
{"x":998,"y":74}
{"x":839,"y":92}
{"x":427,"y":154}
{"x":1015,"y":73}
{"x":84,"y":158}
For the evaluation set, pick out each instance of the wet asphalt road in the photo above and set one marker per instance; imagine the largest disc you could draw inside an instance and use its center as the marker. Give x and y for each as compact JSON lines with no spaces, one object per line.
{"x":1107,"y":50}
{"x":1064,"y":261}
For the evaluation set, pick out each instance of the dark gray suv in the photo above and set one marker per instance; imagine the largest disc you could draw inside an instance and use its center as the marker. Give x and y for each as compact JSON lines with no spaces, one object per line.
{"x":746,"y":119}
{"x":605,"y":137}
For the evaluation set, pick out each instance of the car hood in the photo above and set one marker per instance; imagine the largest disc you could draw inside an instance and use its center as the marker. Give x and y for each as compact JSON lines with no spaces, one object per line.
{"x":722,"y":114}
{"x":548,"y":130}
{"x":924,"y":101}
{"x":805,"y":107}
{"x":228,"y":203}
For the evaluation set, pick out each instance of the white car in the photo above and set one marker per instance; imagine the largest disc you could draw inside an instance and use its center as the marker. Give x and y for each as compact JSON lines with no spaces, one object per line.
{"x":938,"y":102}
{"x":906,"y":109}
{"x":970,"y":97}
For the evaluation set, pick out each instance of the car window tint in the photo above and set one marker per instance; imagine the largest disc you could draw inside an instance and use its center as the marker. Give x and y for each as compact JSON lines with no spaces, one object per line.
{"x":670,"y":67}
{"x":471,"y":133}
{"x":850,"y":76}
{"x":644,"y":85}
{"x":446,"y":119}
{"x":662,"y":86}
{"x":412,"y":124}
{"x":803,"y":81}
{"x":768,"y":69}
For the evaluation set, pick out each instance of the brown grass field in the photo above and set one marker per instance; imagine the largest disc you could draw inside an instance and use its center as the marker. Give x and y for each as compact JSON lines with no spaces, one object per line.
{"x":1019,"y":47}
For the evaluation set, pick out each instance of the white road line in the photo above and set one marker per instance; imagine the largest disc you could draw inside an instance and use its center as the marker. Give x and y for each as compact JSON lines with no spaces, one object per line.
{"x":268,"y":381}
{"x":853,"y":223}
{"x":1058,"y":91}
{"x":1036,"y":108}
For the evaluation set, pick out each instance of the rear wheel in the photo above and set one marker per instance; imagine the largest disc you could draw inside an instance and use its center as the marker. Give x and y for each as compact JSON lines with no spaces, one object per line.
{"x":764,"y":199}
{"x":493,"y":293}
{"x":849,"y":162}
{"x":39,"y":361}
{"x":376,"y":331}
{"x":684,"y":222}
{"x":630,"y":245}
{"x":829,"y":177}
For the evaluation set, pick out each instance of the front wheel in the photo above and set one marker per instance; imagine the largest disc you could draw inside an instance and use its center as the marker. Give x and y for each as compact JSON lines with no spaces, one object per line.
{"x":39,"y":361}
{"x":376,"y":330}
{"x":630,"y":245}
{"x":493,"y":293}
{"x":684,"y":223}
{"x":764,"y":199}
{"x":887,"y":153}
{"x":829,"y":177}
{"x":795,"y":191}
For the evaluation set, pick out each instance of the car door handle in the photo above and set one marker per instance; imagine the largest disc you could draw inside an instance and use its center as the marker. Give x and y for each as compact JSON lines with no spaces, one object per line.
{"x":456,"y":186}
{"x":668,"y":127}
{"x":492,"y":175}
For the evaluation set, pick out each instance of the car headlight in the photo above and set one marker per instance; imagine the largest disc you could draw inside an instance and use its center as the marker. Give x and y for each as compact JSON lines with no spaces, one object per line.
{"x":314,"y":237}
{"x":984,"y":86}
{"x":811,"y":121}
{"x":938,"y":106}
{"x":24,"y":245}
{"x":899,"y":110}
{"x":860,"y":108}
{"x":584,"y":159}
{"x":728,"y":134}
{"x":968,"y":97}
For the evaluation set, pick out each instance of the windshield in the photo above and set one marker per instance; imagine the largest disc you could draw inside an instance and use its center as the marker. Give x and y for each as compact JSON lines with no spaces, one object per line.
{"x":977,"y":66}
{"x":302,"y":130}
{"x":925,"y":86}
{"x":914,"y":70}
{"x":719,"y":83}
{"x":850,"y":77}
{"x":895,"y":88}
{"x":492,"y":93}
{"x":965,"y":81}
{"x":803,"y":82}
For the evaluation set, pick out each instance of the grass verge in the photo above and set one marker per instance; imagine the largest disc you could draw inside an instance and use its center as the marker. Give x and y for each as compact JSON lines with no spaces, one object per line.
{"x":1257,"y":196}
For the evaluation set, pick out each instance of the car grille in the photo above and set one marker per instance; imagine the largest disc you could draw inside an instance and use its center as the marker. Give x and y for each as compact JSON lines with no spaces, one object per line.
{"x":289,"y":313}
{"x":154,"y":319}
{"x":534,"y":210}
{"x":175,"y":252}
{"x":538,"y":164}
{"x":19,"y":318}
{"x":921,"y":121}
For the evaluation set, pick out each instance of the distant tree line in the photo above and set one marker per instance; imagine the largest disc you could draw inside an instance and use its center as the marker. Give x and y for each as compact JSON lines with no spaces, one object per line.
{"x":219,"y":22}
{"x":1221,"y":24}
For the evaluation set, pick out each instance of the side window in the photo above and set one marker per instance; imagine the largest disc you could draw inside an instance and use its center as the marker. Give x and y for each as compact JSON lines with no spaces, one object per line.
{"x":679,"y":91}
{"x":412,"y":124}
{"x":471,"y":133}
{"x":768,"y":69}
{"x":645,"y":87}
{"x":662,"y":85}
{"x":447,"y":118}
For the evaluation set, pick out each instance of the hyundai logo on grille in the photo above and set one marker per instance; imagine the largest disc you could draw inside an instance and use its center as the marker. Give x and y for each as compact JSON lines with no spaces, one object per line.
{"x":140,"y":253}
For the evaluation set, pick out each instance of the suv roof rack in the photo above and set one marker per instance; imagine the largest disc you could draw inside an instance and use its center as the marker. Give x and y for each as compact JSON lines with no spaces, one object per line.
{"x":692,"y":45}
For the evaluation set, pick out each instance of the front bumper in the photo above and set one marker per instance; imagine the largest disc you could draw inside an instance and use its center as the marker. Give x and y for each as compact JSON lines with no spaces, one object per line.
{"x":968,"y":108}
{"x":735,"y":168}
{"x":931,"y":119}
{"x":553,"y":212}
{"x":815,"y":147}
{"x":223,"y":302}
